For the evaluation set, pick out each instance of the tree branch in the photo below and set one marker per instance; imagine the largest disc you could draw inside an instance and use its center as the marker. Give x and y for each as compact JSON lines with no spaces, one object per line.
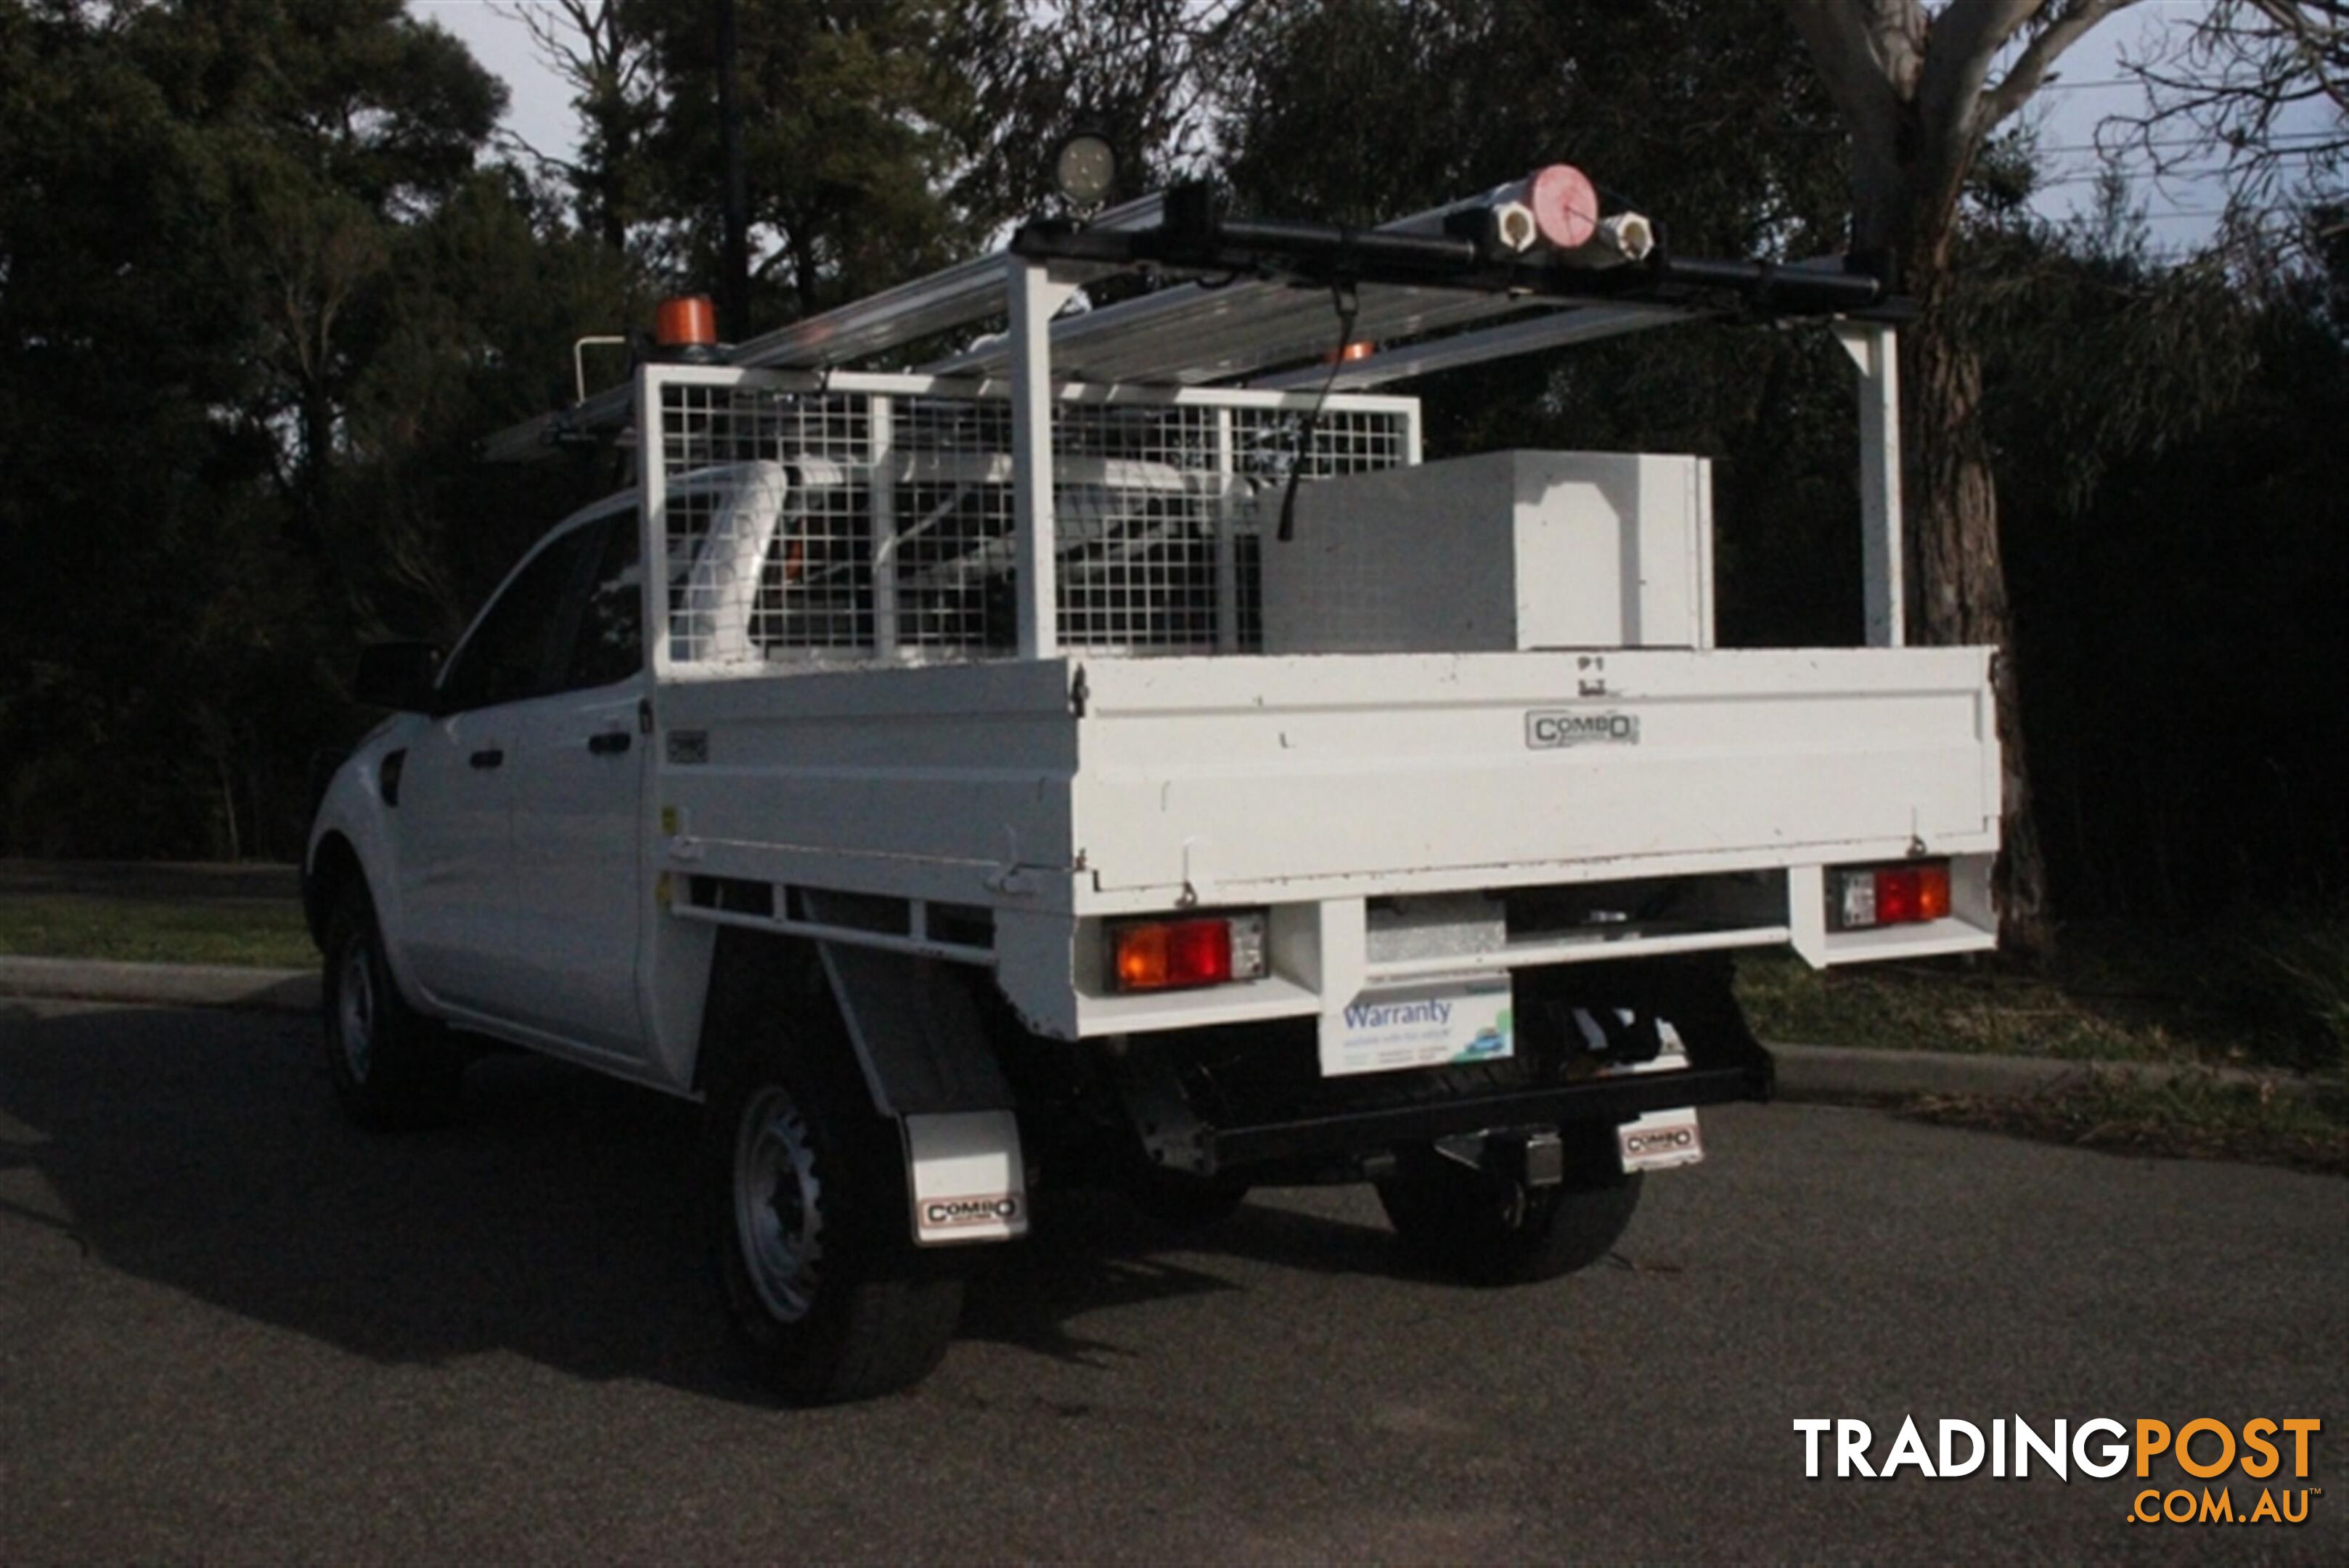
{"x":1965,"y":39}
{"x":2232,"y":77}
{"x":1867,"y":53}
{"x":2023,"y":78}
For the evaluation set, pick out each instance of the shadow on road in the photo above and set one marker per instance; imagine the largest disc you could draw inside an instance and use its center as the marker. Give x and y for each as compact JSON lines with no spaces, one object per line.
{"x":202,"y":1152}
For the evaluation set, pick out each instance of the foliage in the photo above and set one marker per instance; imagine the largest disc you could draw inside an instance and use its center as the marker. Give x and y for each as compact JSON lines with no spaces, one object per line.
{"x":248,"y":932}
{"x":2304,"y":965}
{"x":2269,"y":995}
{"x":1365,"y":110}
{"x":265,"y":277}
{"x":2194,"y":1116}
{"x":2172,"y":502}
{"x":259,"y":299}
{"x":2261,"y":85}
{"x":852,"y":110}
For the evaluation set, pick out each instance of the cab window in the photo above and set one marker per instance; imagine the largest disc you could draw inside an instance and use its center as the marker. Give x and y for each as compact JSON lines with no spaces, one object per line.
{"x":609,"y":645}
{"x":509,"y":656}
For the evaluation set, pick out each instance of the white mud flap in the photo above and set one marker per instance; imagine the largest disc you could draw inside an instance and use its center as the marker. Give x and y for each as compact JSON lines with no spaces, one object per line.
{"x":1661,"y":1141}
{"x":967,"y":1178}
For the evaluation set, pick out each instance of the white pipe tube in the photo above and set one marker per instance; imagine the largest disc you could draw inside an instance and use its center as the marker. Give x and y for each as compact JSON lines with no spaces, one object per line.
{"x":1558,"y":199}
{"x":1620,"y":238}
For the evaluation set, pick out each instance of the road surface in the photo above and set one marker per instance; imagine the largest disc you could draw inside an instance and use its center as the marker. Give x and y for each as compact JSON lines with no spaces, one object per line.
{"x":230,"y":1328}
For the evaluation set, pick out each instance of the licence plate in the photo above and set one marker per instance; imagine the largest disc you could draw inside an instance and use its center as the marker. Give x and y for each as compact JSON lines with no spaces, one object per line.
{"x":1659,"y":1140}
{"x":1426,"y":1025}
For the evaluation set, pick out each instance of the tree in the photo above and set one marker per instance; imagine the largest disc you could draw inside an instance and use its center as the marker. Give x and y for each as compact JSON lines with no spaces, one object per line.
{"x":256,"y":299}
{"x":2182,"y":519}
{"x":326,"y":124}
{"x":1703,"y":114}
{"x":2263,"y":85}
{"x":855,"y":114}
{"x":1141,"y":73}
{"x":601,"y":51}
{"x":1919,"y":93}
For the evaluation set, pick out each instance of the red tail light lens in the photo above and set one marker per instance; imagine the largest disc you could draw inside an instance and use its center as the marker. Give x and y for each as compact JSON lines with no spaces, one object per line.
{"x":1905,"y":894}
{"x":1173,"y":955}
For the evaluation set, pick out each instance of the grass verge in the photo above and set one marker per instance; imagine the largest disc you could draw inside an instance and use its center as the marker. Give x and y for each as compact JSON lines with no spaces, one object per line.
{"x":2269,"y":995}
{"x":263,"y":933}
{"x":2192,"y":1116}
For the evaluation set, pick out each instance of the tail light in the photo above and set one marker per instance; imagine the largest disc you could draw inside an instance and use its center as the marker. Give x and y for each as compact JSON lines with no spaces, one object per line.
{"x":1175,"y":955}
{"x":1860,"y":897}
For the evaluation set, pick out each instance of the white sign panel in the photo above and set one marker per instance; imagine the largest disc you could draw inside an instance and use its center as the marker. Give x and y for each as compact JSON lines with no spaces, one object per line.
{"x":1661,"y":1141}
{"x":1426,"y":1025}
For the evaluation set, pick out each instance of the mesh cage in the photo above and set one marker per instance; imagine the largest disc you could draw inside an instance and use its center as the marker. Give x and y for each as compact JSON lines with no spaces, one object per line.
{"x":868,"y":517}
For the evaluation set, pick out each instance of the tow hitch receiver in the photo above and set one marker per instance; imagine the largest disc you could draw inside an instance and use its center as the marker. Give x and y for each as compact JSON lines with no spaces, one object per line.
{"x":1530,"y":1158}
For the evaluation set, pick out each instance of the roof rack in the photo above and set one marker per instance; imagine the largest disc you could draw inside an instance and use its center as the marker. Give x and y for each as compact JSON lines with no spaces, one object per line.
{"x":1251,"y":301}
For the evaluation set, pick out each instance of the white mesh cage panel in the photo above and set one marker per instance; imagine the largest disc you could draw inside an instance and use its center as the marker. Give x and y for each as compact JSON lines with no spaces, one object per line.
{"x":819,"y":521}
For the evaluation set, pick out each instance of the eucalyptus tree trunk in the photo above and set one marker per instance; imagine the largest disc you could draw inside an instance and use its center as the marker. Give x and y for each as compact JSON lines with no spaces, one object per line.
{"x":1914,"y":88}
{"x":1957,"y":580}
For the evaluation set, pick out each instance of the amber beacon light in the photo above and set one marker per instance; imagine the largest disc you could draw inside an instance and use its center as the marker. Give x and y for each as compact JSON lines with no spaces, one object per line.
{"x":690,"y":322}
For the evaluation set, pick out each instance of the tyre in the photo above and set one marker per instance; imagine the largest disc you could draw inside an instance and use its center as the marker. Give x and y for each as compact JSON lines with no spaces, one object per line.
{"x":810,"y":1230}
{"x":1490,"y":1229}
{"x":393,"y":1069}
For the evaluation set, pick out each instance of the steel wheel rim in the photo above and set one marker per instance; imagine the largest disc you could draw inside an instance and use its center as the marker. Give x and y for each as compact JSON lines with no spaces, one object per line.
{"x":778,"y":1205}
{"x":355,"y":1012}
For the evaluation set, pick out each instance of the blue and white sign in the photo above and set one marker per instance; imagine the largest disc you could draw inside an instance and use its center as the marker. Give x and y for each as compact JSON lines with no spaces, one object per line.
{"x":1426,"y":1025}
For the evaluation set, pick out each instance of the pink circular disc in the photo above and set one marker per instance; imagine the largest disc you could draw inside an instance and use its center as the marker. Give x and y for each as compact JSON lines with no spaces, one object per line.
{"x":1565,"y":207}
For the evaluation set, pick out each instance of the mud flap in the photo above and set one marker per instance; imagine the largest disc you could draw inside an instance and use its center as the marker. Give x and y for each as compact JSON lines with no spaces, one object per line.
{"x":924,"y":1049}
{"x":965,"y":1175}
{"x":1661,"y":1141}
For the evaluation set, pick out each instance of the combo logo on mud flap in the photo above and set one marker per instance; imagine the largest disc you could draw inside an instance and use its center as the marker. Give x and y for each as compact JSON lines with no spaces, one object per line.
{"x":1547,"y":730}
{"x":1658,"y":1140}
{"x":947,"y":1212}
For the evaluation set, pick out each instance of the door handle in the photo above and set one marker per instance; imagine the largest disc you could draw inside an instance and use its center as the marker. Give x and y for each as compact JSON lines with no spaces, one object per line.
{"x":610,"y":744}
{"x":491,"y":758}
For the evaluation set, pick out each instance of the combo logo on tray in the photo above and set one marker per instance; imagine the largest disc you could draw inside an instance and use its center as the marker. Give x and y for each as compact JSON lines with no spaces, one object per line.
{"x":1547,"y":730}
{"x":944,"y":1213}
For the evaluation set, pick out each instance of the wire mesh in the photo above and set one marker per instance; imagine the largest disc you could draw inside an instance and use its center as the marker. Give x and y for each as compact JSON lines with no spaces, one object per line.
{"x":1267,"y":443}
{"x":849,"y":524}
{"x":1137,"y":500}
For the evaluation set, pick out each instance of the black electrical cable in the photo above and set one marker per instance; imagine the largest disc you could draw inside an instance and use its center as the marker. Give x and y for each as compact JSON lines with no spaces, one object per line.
{"x":1350,"y":306}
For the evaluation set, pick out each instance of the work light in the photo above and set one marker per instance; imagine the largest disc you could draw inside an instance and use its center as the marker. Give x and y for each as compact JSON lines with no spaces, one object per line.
{"x":1085,"y":169}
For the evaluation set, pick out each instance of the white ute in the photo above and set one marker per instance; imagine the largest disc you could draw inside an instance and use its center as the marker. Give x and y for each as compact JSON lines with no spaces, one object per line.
{"x":1110,"y":755}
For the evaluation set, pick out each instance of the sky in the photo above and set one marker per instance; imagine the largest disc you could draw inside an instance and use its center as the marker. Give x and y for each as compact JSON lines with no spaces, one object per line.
{"x":2091,"y":86}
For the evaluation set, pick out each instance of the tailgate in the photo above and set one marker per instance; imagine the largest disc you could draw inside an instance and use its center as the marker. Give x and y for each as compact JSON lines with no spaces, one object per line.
{"x":1234,"y":775}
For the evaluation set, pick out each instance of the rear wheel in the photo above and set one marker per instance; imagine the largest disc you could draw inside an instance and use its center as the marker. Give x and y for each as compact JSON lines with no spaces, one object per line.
{"x":392,"y":1067}
{"x":806,"y":1201}
{"x":1489,"y":1228}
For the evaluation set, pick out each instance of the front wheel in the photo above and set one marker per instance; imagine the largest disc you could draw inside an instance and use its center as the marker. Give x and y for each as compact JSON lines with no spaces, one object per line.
{"x":1491,"y":1228}
{"x":814,"y":1262}
{"x":392,"y":1067}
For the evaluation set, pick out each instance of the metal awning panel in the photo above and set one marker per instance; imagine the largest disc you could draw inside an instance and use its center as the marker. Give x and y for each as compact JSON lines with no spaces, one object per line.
{"x":967,"y":292}
{"x":1549,"y":330}
{"x":1194,"y":334}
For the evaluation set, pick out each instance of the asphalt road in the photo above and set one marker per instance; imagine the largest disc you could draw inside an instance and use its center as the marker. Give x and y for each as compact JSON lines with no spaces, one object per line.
{"x":230,"y":1327}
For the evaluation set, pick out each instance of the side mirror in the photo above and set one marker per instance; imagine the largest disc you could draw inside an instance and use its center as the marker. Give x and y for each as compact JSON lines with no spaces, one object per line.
{"x":398,"y":676}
